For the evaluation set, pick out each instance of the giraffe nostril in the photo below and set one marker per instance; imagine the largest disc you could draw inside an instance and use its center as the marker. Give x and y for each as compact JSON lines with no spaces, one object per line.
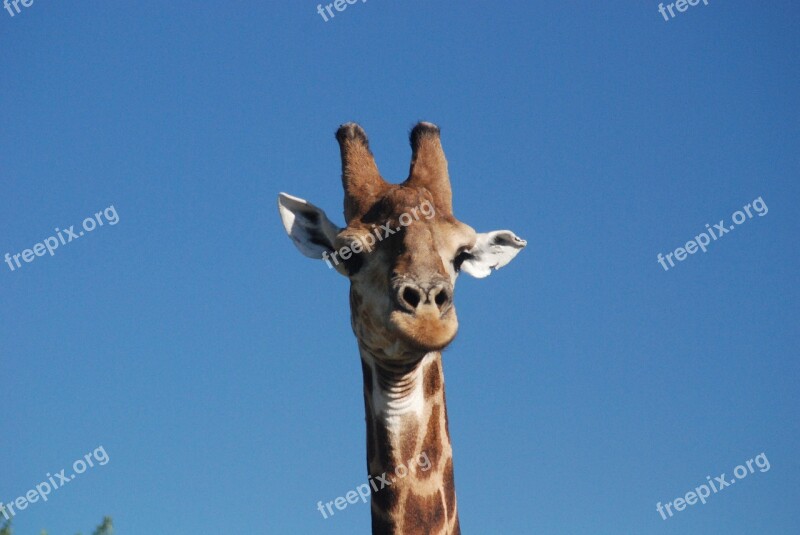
{"x":411,"y":296}
{"x":443,"y":299}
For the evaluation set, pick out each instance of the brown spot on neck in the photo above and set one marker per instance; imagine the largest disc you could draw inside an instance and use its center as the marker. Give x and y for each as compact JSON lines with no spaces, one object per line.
{"x":434,"y":381}
{"x":424,"y":514}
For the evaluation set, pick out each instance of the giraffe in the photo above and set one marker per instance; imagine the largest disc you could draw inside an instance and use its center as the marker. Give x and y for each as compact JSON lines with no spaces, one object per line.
{"x":402,"y":274}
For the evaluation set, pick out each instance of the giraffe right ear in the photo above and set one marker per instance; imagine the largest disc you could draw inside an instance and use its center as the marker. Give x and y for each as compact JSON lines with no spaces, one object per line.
{"x":309,"y":228}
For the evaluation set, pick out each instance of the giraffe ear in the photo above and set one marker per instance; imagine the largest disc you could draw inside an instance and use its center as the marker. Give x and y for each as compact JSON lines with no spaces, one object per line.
{"x":309,"y":228}
{"x":492,"y":250}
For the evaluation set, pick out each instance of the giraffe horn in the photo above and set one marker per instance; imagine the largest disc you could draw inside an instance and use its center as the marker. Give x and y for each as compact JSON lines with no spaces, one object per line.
{"x":360,"y":177}
{"x":429,"y":165}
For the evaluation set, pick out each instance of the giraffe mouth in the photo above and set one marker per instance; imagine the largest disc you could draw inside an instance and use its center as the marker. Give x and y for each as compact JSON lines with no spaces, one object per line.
{"x":427,"y":330}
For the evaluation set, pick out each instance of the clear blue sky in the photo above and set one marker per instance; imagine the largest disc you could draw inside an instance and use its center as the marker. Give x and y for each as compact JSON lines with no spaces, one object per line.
{"x":216,"y":365}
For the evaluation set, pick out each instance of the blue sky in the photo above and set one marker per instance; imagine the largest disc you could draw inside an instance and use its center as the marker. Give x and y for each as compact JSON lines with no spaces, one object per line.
{"x":216,"y":365}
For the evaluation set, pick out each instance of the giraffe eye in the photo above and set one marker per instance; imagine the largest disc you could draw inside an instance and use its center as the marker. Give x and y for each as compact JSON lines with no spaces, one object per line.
{"x":354,"y":263}
{"x":355,"y":260}
{"x":461,"y":256}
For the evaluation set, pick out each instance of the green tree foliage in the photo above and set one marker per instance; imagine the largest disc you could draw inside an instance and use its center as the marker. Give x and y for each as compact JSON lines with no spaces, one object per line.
{"x":105,"y":528}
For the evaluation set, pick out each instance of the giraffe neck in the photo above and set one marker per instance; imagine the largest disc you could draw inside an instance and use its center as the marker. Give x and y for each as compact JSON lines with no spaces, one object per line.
{"x":408,"y":441}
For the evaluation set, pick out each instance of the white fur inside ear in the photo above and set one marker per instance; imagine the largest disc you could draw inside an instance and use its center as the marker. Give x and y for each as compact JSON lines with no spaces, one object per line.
{"x":309,"y":228}
{"x":492,"y":250}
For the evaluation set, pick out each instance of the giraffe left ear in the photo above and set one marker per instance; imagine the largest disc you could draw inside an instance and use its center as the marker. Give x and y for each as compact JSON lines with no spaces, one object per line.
{"x":309,"y":228}
{"x":492,"y":250}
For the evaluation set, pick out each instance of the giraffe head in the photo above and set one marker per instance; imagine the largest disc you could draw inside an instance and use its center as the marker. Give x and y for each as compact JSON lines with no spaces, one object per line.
{"x":402,"y":247}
